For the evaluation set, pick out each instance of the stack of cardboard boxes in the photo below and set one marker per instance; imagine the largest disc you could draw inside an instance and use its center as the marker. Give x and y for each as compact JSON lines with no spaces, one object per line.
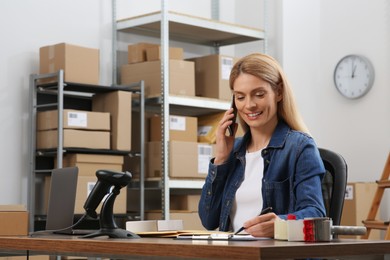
{"x":82,"y":129}
{"x":144,"y":64}
{"x":107,"y":126}
{"x":191,"y":139}
{"x":206,"y":76}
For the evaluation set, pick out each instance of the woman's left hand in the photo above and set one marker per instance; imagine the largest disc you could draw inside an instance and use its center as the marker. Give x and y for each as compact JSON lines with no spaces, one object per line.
{"x":261,"y":226}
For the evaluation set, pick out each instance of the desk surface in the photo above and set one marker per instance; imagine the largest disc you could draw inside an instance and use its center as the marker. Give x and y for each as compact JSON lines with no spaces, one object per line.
{"x":261,"y":249}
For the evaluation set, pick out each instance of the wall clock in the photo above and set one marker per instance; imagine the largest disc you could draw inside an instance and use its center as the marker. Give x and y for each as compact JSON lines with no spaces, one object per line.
{"x":354,"y":76}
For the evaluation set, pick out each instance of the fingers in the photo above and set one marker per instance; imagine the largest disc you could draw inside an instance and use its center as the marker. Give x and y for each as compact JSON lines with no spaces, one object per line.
{"x":224,"y":142}
{"x":261,"y":226}
{"x":226,"y":121}
{"x":265,"y":229}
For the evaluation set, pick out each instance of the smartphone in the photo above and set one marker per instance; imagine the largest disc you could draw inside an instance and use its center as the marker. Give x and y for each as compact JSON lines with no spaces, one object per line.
{"x":231,"y":127}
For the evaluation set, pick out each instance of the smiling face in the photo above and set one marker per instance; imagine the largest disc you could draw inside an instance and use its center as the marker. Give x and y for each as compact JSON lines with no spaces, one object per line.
{"x":256,"y":102}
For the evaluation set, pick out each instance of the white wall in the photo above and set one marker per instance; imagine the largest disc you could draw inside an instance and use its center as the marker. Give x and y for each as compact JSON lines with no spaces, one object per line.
{"x":26,"y":25}
{"x":307,"y":36}
{"x":316,"y":35}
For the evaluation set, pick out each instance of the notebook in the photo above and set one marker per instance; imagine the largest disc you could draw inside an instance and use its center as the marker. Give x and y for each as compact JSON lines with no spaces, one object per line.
{"x":62,"y":198}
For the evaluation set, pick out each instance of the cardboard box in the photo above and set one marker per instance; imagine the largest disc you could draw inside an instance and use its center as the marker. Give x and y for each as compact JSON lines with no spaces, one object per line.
{"x":212,"y":74}
{"x":187,"y":202}
{"x":85,"y":185}
{"x":137,"y":52}
{"x":184,"y":159}
{"x":208,"y":125}
{"x":191,"y":220}
{"x":357,"y":203}
{"x":80,"y":64}
{"x":13,"y":220}
{"x":74,"y":139}
{"x":181,"y":128}
{"x":155,"y":52}
{"x":88,"y":164}
{"x":118,"y":104}
{"x":74,"y":119}
{"x":181,"y":77}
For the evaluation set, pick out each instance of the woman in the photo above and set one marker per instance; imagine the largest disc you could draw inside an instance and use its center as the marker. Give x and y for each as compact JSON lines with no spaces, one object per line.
{"x":275,"y":164}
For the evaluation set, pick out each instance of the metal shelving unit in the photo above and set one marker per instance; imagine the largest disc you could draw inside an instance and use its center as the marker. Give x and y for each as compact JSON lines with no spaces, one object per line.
{"x":168,"y":25}
{"x":54,"y":95}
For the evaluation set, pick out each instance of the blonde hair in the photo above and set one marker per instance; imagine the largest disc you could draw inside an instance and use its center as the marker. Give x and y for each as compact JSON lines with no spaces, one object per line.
{"x":268,"y":69}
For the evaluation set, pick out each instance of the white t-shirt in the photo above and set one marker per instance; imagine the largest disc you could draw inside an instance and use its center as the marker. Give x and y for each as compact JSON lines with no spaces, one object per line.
{"x":248,"y":201}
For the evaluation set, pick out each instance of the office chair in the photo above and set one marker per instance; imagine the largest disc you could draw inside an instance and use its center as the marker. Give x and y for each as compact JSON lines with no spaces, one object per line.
{"x":334,"y":184}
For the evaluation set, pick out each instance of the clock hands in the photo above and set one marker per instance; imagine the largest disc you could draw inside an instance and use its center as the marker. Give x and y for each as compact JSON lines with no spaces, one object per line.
{"x":353,"y":70}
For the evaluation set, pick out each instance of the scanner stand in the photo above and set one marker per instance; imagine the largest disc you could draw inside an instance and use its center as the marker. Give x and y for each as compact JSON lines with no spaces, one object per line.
{"x":108,"y":226}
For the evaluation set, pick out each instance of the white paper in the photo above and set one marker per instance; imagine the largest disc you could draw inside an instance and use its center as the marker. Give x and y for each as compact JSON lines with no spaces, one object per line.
{"x":77,"y":119}
{"x":348,"y":192}
{"x":177,"y":123}
{"x":205,"y":152}
{"x":226,"y":67}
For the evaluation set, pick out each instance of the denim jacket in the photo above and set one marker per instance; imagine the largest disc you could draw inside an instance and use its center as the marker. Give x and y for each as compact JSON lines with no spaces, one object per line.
{"x":291,"y":182}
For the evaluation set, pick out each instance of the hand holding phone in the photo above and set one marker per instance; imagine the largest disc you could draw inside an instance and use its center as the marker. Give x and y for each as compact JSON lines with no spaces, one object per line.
{"x":231,"y":127}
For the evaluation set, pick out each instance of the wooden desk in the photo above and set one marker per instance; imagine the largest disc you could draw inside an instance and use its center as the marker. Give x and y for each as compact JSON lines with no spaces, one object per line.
{"x":170,"y":248}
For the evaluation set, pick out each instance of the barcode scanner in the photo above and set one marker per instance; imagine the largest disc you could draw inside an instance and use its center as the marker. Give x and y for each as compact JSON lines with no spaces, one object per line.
{"x":109,"y":182}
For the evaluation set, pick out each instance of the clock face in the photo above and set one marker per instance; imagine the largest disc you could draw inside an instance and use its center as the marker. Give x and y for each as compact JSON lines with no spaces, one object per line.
{"x":354,"y":76}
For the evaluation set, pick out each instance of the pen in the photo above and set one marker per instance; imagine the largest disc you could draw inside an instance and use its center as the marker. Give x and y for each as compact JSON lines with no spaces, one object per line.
{"x":264,"y":211}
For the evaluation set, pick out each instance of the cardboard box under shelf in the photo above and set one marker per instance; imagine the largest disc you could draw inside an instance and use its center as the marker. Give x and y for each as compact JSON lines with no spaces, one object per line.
{"x":48,"y":139}
{"x":181,"y":128}
{"x":181,"y":77}
{"x":13,"y":220}
{"x":118,"y":104}
{"x":74,"y":119}
{"x":88,"y":164}
{"x":212,"y":74}
{"x":186,"y":159}
{"x":191,"y":220}
{"x":85,"y":185}
{"x":357,"y":203}
{"x":80,"y":64}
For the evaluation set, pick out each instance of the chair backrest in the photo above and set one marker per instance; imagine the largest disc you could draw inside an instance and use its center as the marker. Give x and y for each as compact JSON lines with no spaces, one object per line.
{"x":334,"y":184}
